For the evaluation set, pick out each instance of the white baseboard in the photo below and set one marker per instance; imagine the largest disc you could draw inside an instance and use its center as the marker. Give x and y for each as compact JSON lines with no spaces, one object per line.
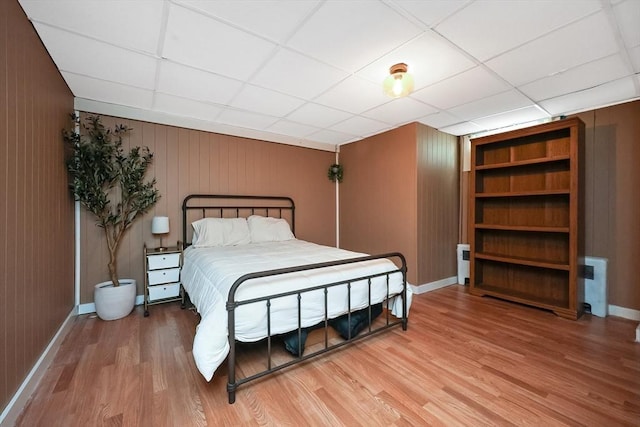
{"x":15,"y":406}
{"x":627,"y":313}
{"x":428,"y":287}
{"x":91,"y":307}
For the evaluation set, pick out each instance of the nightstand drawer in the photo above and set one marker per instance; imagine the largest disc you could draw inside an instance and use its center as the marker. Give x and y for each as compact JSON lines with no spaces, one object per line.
{"x":164,"y":291}
{"x":163,"y":261}
{"x":164,"y":276}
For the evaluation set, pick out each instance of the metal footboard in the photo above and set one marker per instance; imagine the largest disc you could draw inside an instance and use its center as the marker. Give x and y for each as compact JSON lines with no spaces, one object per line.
{"x":232,"y":304}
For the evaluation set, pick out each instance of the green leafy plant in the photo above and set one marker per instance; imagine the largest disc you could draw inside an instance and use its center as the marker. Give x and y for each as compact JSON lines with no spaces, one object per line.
{"x":108,"y":182}
{"x":335,"y":172}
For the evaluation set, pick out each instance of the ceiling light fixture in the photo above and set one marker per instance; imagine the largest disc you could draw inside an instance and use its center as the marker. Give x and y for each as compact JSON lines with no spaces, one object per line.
{"x":398,"y":83}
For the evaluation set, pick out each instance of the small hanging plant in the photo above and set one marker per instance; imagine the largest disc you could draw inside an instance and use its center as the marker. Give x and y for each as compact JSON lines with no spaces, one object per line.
{"x":335,"y":172}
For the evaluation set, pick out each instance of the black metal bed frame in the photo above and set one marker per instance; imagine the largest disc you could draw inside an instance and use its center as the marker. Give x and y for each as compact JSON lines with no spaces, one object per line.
{"x":238,"y":204}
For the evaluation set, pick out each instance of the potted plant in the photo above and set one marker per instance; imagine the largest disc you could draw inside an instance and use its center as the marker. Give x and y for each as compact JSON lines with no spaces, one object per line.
{"x":111,"y":185}
{"x":335,"y":172}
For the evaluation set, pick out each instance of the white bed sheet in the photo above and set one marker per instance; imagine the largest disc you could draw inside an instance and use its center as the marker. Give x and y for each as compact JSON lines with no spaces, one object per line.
{"x":209,"y":273}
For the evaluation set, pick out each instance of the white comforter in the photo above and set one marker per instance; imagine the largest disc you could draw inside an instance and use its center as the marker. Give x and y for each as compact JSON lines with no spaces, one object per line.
{"x":209,"y":273}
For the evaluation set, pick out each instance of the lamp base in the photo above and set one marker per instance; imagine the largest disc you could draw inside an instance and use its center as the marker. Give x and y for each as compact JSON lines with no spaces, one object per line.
{"x":161,"y":248}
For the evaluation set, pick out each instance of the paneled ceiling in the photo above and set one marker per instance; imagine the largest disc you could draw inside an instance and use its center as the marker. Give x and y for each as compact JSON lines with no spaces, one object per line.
{"x":309,"y":72}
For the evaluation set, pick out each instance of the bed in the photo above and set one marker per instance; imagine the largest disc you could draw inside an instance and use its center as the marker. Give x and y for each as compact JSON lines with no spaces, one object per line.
{"x":252,"y":281}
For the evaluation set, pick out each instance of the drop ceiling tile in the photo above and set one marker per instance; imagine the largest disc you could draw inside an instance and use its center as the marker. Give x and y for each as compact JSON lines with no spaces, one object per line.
{"x":245,"y":119}
{"x":628,"y":18}
{"x":514,"y":117}
{"x":265,"y":101}
{"x":109,"y":92}
{"x":297,"y":75}
{"x":287,"y":127}
{"x":464,"y":128}
{"x":185,"y":107}
{"x":430,"y":12}
{"x":439,"y":120}
{"x":635,"y":58}
{"x":488,"y":28}
{"x":360,"y":126}
{"x":275,"y":20}
{"x":202,"y":42}
{"x":98,"y":60}
{"x":186,"y":82}
{"x":399,"y":111}
{"x":430,"y":58}
{"x":332,"y":137}
{"x":578,"y":78}
{"x":606,"y":94}
{"x":466,"y":87}
{"x":505,"y":101}
{"x":576,"y":44}
{"x":318,"y":115}
{"x":130,"y":24}
{"x":348,"y":34}
{"x":354,"y":95}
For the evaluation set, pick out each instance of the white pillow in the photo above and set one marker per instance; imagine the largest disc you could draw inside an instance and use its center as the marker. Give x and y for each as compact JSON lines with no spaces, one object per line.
{"x":266,"y":229}
{"x":220,"y":232}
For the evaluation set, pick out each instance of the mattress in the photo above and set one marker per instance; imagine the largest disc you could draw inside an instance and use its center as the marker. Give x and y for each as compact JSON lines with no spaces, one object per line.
{"x":208,"y":274}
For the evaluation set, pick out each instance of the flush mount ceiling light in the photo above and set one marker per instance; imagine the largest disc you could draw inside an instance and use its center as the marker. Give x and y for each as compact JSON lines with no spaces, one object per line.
{"x":398,"y":83}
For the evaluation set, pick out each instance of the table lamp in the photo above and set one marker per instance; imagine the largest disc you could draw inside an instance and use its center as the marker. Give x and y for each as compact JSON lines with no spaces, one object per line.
{"x":160,"y":225}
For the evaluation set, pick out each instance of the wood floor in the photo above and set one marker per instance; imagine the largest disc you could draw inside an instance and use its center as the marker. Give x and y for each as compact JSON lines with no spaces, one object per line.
{"x":464,"y":360}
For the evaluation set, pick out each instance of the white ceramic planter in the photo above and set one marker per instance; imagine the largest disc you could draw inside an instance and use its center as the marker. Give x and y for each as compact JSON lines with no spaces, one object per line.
{"x":114,"y":302}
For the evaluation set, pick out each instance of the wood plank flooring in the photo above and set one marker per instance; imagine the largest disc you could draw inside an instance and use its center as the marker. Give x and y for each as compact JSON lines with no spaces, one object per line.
{"x":464,"y":360}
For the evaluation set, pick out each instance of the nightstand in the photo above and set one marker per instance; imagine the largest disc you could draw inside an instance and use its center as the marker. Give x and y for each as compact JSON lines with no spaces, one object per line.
{"x":162,"y":276}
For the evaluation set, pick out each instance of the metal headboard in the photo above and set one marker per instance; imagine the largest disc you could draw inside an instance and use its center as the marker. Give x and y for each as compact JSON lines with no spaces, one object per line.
{"x":234,"y":206}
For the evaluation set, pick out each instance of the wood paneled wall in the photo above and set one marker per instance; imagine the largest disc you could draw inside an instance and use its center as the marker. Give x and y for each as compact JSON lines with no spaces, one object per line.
{"x":189,"y":161}
{"x":612,"y":197}
{"x":438,"y":204}
{"x":36,"y":209}
{"x":400,"y":193}
{"x":378,"y":205}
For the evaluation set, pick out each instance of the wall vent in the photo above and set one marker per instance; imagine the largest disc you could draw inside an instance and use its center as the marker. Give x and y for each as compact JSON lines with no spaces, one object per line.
{"x":593,"y":273}
{"x":463,"y":264}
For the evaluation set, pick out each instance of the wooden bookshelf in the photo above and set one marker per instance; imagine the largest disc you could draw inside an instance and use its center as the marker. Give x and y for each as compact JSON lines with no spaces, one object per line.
{"x":525,"y":235}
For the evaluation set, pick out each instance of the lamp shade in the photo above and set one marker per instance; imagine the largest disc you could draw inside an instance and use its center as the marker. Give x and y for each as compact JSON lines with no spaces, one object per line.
{"x":160,"y":225}
{"x":399,"y":82}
